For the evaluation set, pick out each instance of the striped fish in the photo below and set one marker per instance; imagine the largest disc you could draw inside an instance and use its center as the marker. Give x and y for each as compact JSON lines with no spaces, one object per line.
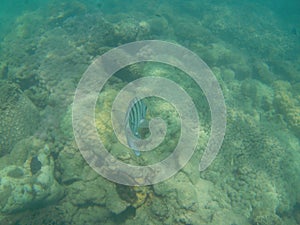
{"x":135,"y":119}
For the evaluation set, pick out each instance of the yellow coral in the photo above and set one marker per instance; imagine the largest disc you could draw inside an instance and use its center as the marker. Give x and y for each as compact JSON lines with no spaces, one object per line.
{"x":141,"y":196}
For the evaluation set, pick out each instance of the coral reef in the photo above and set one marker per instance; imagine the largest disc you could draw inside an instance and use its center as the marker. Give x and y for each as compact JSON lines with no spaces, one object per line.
{"x":18,"y":116}
{"x":287,"y":105}
{"x":255,"y":178}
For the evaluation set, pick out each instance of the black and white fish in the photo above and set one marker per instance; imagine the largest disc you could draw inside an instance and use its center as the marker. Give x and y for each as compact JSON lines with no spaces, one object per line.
{"x":134,"y":121}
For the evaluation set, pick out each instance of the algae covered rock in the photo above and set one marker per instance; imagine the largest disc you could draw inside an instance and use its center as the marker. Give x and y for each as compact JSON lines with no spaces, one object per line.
{"x":114,"y":203}
{"x":30,"y":185}
{"x":18,"y":116}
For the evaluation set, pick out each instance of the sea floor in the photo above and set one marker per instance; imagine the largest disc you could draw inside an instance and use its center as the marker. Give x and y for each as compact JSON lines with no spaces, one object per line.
{"x":251,"y":47}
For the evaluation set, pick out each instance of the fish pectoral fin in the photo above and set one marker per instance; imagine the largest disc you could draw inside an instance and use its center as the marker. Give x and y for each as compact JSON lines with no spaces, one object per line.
{"x":144,"y":124}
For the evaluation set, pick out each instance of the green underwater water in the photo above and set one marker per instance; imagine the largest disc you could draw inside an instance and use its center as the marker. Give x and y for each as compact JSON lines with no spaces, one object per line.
{"x":252,"y":47}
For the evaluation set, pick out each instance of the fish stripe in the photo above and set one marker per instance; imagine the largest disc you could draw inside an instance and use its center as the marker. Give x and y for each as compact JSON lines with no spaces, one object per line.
{"x":135,"y":116}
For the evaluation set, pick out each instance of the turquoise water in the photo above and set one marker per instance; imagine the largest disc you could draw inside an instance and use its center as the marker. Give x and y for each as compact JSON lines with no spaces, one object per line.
{"x":253,"y":49}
